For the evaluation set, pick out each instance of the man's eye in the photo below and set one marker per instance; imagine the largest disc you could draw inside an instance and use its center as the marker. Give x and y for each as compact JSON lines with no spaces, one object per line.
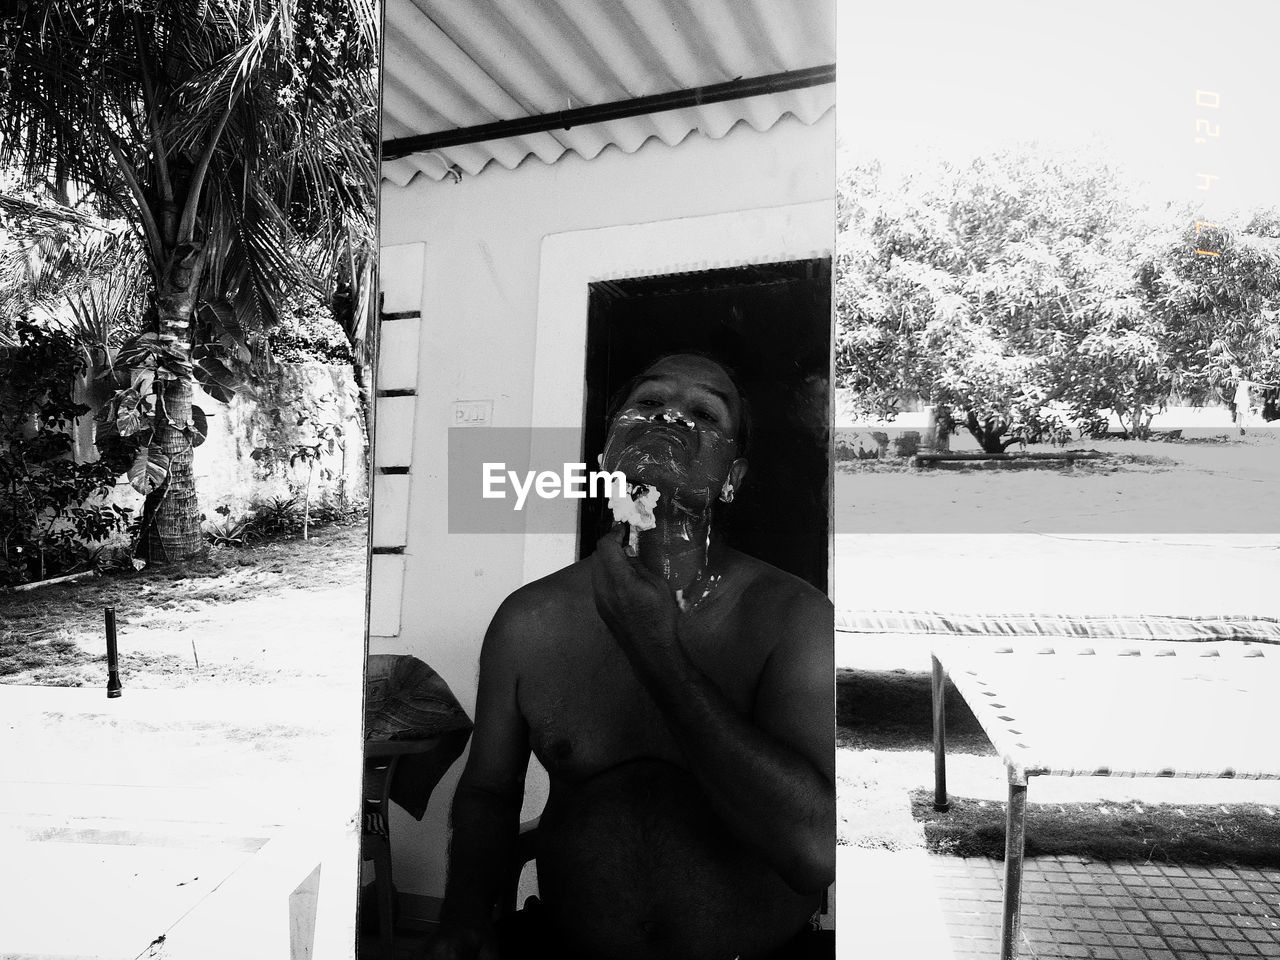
{"x":648,"y":402}
{"x":706,"y":415}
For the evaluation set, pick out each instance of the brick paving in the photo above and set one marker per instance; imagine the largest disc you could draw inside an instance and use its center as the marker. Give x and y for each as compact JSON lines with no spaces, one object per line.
{"x":1123,"y":911}
{"x":913,"y":905}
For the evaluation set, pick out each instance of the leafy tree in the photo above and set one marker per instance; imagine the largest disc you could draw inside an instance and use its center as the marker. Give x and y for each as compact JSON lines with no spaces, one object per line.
{"x":309,"y":332}
{"x":1216,"y":293}
{"x":233,"y":136}
{"x":973,"y":286}
{"x":63,"y":265}
{"x":1202,"y":314}
{"x":50,"y":505}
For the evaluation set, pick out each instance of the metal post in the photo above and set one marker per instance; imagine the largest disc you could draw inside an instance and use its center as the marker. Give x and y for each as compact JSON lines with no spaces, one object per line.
{"x":113,"y":659}
{"x":1014,"y":845}
{"x":940,"y":801}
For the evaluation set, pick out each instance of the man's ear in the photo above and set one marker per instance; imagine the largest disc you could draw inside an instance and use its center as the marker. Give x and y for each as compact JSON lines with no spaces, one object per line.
{"x":738,"y":472}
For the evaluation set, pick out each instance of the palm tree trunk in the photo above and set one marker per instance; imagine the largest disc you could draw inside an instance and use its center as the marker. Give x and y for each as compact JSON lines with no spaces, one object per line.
{"x":174,"y":532}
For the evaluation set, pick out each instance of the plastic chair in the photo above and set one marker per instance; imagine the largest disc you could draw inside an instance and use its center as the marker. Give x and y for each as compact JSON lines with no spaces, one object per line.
{"x":414,"y":730}
{"x":526,"y":851}
{"x":382,"y":758}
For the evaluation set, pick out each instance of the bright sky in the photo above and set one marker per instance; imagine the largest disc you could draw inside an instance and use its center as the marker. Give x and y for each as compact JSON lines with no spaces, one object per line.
{"x":959,"y":78}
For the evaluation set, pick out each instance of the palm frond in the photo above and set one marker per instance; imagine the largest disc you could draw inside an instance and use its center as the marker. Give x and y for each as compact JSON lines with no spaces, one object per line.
{"x":128,"y":102}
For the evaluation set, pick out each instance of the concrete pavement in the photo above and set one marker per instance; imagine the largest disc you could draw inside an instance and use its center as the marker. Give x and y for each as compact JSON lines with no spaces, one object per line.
{"x":120,"y":818}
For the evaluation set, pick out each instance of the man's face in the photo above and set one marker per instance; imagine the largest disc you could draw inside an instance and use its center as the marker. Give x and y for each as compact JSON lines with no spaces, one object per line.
{"x":677,"y":431}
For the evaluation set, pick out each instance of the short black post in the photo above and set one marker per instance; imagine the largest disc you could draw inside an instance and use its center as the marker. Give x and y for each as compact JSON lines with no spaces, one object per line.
{"x":939,"y":687}
{"x":113,"y":657}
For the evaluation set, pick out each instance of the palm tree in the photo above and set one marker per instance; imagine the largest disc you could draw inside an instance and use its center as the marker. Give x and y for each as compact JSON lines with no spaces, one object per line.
{"x":58,"y":262}
{"x":232,"y":135}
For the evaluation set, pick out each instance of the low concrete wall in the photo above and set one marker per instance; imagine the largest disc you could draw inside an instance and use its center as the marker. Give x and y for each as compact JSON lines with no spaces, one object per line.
{"x":1207,"y":420}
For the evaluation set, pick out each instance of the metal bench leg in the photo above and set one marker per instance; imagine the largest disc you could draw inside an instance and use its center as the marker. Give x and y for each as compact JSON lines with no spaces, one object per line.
{"x":1014,"y":845}
{"x":940,"y":801}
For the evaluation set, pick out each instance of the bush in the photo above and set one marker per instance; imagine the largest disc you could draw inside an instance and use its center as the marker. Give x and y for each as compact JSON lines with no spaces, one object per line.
{"x":277,"y":519}
{"x":308,"y":333}
{"x":228,"y":532}
{"x":47,"y":517}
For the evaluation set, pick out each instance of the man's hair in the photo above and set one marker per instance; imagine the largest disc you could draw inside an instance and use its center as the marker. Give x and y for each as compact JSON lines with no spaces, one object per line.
{"x":744,"y":405}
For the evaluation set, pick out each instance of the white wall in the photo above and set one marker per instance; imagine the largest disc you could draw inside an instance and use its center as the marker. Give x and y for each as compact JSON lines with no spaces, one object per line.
{"x":227,"y":475}
{"x":486,"y":264}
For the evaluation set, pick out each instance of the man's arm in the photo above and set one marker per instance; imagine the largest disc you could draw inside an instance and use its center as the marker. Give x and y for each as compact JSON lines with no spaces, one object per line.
{"x":486,"y":806}
{"x":771,"y":775}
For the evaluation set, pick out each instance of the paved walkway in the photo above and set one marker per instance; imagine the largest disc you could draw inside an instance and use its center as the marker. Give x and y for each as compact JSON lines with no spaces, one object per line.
{"x":913,"y":904}
{"x":1123,"y":911}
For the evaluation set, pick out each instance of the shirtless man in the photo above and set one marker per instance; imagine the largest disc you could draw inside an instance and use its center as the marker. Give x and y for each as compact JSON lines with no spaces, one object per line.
{"x":688,"y":735}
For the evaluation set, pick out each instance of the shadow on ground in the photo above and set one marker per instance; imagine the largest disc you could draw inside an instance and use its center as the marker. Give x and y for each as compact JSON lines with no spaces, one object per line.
{"x":892,"y":710}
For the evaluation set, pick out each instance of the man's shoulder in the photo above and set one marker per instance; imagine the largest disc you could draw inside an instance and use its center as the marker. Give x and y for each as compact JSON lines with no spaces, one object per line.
{"x":545,"y":602}
{"x":764,"y":582}
{"x":785,"y":611}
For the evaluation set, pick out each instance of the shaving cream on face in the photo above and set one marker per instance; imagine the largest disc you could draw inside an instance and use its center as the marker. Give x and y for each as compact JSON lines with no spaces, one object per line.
{"x":635,"y":509}
{"x":633,"y":450}
{"x":676,"y":457}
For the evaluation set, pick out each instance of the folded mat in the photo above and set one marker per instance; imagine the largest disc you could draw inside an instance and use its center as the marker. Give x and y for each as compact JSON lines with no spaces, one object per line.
{"x":406,"y":700}
{"x":1084,"y":626}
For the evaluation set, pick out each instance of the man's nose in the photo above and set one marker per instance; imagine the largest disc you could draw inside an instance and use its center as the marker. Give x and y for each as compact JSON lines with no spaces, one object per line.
{"x":673,"y":415}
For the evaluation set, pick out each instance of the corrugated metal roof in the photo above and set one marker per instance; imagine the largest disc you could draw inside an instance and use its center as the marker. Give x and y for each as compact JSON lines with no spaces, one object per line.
{"x":460,"y":63}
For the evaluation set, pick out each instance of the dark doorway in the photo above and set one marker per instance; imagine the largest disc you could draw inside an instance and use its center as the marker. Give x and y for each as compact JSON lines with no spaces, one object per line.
{"x":772,"y":323}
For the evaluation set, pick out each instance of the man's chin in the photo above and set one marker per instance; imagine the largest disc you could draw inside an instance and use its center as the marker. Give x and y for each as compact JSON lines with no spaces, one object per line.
{"x":669,"y":477}
{"x":678,"y":500}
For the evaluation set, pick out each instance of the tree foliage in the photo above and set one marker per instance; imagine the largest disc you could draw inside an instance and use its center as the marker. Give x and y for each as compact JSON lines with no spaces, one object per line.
{"x":238,"y":140}
{"x":245,"y":127}
{"x":50,"y":505}
{"x":1023,"y":292}
{"x":1217,"y":292}
{"x":63,"y":265}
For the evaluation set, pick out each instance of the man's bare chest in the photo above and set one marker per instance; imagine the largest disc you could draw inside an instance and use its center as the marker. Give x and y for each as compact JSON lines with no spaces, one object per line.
{"x":587,"y":708}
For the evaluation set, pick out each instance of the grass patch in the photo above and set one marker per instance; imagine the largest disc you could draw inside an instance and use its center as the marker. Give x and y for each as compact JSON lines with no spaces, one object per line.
{"x":1243,"y":834}
{"x":53,"y":653}
{"x":43,"y":632}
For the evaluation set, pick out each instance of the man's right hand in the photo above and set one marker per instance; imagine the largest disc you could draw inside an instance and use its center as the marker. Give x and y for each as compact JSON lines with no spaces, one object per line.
{"x":463,"y":943}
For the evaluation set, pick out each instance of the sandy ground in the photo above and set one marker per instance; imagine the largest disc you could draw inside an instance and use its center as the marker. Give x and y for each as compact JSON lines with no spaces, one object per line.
{"x":191,"y":805}
{"x":1029,"y":573}
{"x":1191,"y":528}
{"x":1202,"y":487}
{"x":139,"y":816}
{"x":291,"y":636}
{"x":286,"y":611}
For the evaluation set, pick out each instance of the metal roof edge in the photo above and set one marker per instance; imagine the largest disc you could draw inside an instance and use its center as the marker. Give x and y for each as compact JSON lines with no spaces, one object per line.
{"x":531,"y":156}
